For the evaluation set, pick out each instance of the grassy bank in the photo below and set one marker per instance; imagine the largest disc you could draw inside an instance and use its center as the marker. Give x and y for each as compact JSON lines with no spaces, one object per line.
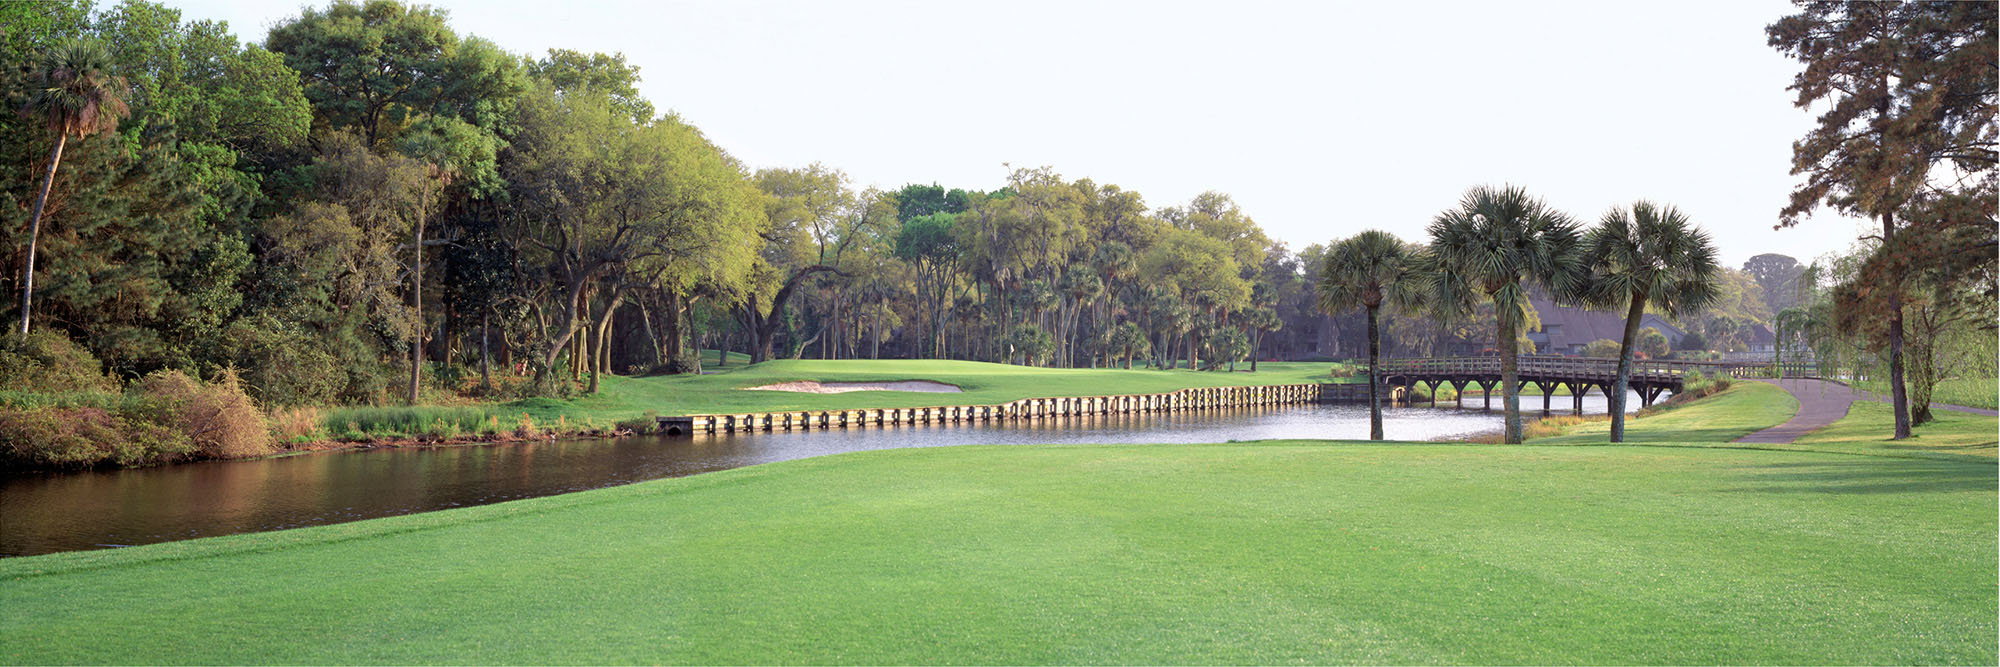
{"x":1264,"y":553}
{"x":1742,"y":409}
{"x":1748,"y":407}
{"x":623,"y":404}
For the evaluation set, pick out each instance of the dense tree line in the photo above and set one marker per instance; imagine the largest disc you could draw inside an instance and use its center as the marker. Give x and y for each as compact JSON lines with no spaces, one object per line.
{"x":368,"y":207}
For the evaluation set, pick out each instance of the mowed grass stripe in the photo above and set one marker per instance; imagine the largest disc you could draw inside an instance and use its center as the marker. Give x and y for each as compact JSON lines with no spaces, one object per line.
{"x":1264,"y":553}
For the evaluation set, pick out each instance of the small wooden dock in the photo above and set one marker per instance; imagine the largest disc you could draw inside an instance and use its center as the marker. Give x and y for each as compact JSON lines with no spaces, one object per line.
{"x":1200,"y":398}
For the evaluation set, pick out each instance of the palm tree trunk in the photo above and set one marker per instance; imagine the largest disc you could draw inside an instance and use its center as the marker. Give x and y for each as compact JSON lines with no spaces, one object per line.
{"x":1194,"y":362}
{"x":1509,"y":373}
{"x":35,"y":230}
{"x":1256,"y":346}
{"x":1374,"y":377}
{"x":1623,"y":382}
{"x":485,"y":353}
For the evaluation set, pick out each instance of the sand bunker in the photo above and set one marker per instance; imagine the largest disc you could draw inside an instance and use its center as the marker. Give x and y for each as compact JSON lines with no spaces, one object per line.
{"x":811,"y":387}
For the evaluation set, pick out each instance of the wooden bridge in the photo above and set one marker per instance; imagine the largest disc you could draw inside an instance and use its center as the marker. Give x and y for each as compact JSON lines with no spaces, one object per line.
{"x":1547,"y":372}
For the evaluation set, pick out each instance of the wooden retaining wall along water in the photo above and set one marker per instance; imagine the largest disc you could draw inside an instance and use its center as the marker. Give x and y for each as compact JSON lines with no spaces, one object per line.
{"x":1028,"y":408}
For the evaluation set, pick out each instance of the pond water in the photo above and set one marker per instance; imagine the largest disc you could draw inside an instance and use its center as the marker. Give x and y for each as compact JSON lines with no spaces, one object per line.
{"x":45,"y":513}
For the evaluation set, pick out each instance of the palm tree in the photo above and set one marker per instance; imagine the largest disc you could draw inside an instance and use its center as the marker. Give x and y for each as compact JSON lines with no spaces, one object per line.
{"x":1113,"y":261}
{"x":78,"y":97}
{"x":1496,"y":243}
{"x":1646,"y":256}
{"x":1365,"y":271}
{"x":1081,"y":285}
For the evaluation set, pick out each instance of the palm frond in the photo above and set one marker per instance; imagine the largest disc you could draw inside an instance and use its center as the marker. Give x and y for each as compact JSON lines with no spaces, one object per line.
{"x":1653,"y":252}
{"x":77,"y":95}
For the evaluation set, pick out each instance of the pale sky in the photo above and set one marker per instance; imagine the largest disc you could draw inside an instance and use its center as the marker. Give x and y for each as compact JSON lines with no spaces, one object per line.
{"x":1320,"y":119}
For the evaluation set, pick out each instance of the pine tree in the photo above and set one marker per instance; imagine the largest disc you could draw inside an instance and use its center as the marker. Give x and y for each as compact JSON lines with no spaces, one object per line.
{"x":1906,"y":87}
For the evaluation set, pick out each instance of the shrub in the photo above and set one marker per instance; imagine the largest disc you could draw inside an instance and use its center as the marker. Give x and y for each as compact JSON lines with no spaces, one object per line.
{"x":451,"y":377}
{"x":296,"y":424}
{"x":49,"y":362}
{"x":1653,"y":344}
{"x":67,"y":399}
{"x":442,"y":429}
{"x":1602,"y":348}
{"x":1698,"y":385}
{"x":57,"y":437}
{"x":1032,"y":343}
{"x":219,"y":417}
{"x":286,"y":366}
{"x":147,"y":441}
{"x":73,"y":437}
{"x":647,"y":423}
{"x":1694,"y":386}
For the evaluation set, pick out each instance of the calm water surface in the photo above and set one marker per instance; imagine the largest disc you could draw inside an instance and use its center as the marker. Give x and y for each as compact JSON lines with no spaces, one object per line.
{"x":47,"y":513}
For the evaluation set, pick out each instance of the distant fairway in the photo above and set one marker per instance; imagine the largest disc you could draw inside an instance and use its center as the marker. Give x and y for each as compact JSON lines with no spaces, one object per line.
{"x":982,"y":383}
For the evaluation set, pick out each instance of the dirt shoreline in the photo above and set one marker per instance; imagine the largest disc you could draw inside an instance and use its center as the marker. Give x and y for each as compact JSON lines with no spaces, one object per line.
{"x":320,"y":446}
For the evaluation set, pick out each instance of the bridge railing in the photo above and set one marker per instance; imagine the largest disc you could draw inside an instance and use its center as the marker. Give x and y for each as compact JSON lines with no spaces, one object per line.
{"x":1563,"y":367}
{"x":1797,"y":369}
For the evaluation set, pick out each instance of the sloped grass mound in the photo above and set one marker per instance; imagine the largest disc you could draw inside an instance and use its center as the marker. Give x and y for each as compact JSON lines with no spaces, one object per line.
{"x":1741,"y":409}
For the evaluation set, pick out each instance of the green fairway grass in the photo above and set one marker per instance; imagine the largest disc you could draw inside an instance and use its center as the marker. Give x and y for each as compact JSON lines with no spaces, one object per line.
{"x":1278,"y":552}
{"x":711,"y":357}
{"x":982,"y":384}
{"x":1869,"y":425}
{"x":1970,"y":392}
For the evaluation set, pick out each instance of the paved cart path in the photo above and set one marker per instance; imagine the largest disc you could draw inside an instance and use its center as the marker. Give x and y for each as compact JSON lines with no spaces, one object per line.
{"x":1822,"y":402}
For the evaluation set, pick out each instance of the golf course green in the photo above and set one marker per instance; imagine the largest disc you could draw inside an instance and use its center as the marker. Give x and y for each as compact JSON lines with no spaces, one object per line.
{"x":723,"y":390}
{"x":1269,"y":552}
